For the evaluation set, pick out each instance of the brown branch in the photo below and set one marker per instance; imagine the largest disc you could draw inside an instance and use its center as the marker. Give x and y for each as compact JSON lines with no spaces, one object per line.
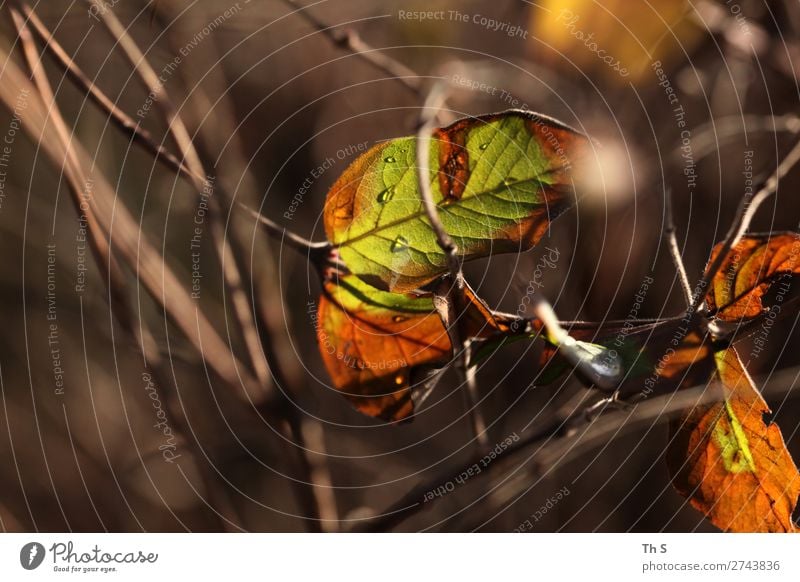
{"x":428,"y":116}
{"x":451,"y":296}
{"x":674,"y":250}
{"x":142,"y":137}
{"x":114,"y":278}
{"x":124,"y":122}
{"x":548,"y":458}
{"x":128,"y":242}
{"x":76,"y":179}
{"x":317,"y":251}
{"x":314,"y":497}
{"x":268,"y":326}
{"x":321,"y":476}
{"x":741,"y":222}
{"x":229,"y":262}
{"x":119,"y":117}
{"x":564,"y":433}
{"x":350,"y":40}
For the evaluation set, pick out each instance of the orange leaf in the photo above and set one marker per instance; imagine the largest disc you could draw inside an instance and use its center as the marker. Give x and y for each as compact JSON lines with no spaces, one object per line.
{"x":374,"y":342}
{"x":732,"y":465}
{"x":751,"y":266}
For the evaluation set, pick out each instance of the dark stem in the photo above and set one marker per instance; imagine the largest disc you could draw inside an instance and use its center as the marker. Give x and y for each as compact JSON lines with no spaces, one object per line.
{"x":350,"y":40}
{"x":317,"y":251}
{"x":124,"y":122}
{"x":220,"y":505}
{"x":674,"y":250}
{"x":249,"y":324}
{"x":563,"y":432}
{"x":453,"y":300}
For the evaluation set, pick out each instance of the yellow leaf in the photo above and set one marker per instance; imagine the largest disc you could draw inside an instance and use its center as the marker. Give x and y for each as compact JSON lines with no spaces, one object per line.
{"x":617,"y":39}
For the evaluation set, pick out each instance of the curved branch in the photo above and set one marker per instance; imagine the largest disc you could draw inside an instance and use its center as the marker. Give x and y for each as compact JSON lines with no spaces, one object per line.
{"x":744,"y":215}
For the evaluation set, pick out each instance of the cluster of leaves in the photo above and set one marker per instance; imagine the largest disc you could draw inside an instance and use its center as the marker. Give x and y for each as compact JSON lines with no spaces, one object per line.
{"x":498,"y":181}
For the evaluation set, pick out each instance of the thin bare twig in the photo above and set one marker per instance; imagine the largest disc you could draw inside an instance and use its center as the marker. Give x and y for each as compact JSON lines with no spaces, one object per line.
{"x":312,"y":490}
{"x":193,"y":171}
{"x":741,"y":222}
{"x":674,"y":250}
{"x":433,"y":104}
{"x":250,"y":321}
{"x":548,"y":458}
{"x":134,"y":129}
{"x":115,"y":284}
{"x":349,"y":39}
{"x":316,"y":250}
{"x":708,"y":137}
{"x":321,"y":476}
{"x":119,"y":117}
{"x":130,"y":245}
{"x":76,"y":178}
{"x":550,"y":445}
{"x":452,"y":298}
{"x":227,"y":259}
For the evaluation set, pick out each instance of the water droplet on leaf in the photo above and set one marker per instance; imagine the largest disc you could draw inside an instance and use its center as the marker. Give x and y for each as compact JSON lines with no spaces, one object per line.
{"x":389,"y":159}
{"x":399,"y":319}
{"x":399,"y":244}
{"x":386,"y":195}
{"x":508,"y":181}
{"x":483,"y":146}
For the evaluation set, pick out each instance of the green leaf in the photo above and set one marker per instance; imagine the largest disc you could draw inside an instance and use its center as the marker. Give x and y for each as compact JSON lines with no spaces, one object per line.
{"x":498,"y":180}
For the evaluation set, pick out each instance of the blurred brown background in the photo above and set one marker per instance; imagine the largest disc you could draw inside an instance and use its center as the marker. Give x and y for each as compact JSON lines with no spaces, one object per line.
{"x":90,"y":458}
